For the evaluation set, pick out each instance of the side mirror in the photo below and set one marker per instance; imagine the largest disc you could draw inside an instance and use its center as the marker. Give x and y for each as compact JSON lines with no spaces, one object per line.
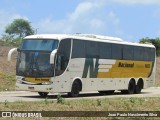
{"x":11,"y":52}
{"x":52,"y":56}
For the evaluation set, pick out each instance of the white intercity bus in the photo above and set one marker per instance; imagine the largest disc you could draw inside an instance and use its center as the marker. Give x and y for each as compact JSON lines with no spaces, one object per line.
{"x":63,"y":63}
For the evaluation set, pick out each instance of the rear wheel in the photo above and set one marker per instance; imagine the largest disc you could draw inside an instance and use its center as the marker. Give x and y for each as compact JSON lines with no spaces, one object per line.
{"x":75,"y":89}
{"x":138,"y":87}
{"x":43,"y":94}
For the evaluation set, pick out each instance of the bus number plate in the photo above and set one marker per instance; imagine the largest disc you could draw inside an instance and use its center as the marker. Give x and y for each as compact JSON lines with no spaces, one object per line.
{"x":31,"y":88}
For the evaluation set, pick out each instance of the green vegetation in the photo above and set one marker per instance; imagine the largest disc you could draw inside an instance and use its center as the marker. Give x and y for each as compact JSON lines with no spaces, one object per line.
{"x":15,"y":31}
{"x":60,"y":99}
{"x":107,"y":104}
{"x":9,"y":43}
{"x":155,"y":42}
{"x":7,"y":81}
{"x":19,"y":27}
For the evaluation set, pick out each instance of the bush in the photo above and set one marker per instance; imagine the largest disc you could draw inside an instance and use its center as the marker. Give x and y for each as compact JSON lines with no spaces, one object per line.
{"x":155,"y":42}
{"x":60,"y":99}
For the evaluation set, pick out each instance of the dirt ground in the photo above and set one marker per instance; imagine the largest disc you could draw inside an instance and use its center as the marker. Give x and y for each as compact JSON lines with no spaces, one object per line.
{"x":9,"y":67}
{"x":6,"y":66}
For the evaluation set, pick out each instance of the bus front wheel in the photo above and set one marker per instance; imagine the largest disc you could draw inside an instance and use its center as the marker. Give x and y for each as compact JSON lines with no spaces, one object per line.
{"x":43,"y":94}
{"x":75,"y":89}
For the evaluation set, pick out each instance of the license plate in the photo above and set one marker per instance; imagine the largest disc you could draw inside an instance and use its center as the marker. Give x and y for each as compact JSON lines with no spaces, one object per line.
{"x":31,"y":88}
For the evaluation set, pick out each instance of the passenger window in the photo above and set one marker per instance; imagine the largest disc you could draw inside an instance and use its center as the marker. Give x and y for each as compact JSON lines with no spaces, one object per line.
{"x":105,"y":50}
{"x":78,"y":50}
{"x":92,"y":50}
{"x":116,"y":51}
{"x":127,"y":52}
{"x":139,"y":53}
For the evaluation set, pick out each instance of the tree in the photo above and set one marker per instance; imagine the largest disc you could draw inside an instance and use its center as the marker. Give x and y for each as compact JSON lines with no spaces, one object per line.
{"x":155,"y":42}
{"x":7,"y":38}
{"x":19,"y":27}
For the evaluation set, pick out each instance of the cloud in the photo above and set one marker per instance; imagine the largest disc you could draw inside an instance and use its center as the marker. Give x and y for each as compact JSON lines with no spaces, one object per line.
{"x":94,"y":17}
{"x":88,"y":17}
{"x":6,"y":18}
{"x":133,"y":2}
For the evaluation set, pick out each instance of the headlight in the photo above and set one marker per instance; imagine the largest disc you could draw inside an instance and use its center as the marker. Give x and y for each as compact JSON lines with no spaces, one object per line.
{"x":19,"y":81}
{"x":47,"y":83}
{"x":19,"y":78}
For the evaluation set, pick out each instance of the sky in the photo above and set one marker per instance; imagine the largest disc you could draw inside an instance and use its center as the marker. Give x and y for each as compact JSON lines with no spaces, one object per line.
{"x":130,"y":20}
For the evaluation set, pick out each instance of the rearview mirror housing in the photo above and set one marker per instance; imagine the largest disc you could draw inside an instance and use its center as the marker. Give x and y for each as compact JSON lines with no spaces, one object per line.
{"x":11,"y":52}
{"x":52,"y":56}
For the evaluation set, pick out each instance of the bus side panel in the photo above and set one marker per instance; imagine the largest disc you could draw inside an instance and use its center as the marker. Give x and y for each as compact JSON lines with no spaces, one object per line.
{"x":103,"y":74}
{"x":150,"y":81}
{"x":86,"y":70}
{"x":61,"y":83}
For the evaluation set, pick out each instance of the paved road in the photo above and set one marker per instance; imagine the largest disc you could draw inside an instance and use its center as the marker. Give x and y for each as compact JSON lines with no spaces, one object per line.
{"x":14,"y":96}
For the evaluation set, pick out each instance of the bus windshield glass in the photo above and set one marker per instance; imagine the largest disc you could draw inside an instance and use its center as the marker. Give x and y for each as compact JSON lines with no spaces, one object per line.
{"x":34,"y":58}
{"x":39,"y":44}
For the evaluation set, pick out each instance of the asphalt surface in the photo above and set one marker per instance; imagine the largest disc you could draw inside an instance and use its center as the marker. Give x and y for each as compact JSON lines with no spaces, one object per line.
{"x":16,"y":96}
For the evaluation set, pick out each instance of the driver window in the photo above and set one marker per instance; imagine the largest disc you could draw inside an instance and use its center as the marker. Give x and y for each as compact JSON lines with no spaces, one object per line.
{"x":63,"y":56}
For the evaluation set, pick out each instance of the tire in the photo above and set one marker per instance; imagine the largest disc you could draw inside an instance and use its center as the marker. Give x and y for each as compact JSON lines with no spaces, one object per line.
{"x":138,"y":87}
{"x":131,"y":88}
{"x":43,"y":94}
{"x":108,"y":92}
{"x":75,"y":89}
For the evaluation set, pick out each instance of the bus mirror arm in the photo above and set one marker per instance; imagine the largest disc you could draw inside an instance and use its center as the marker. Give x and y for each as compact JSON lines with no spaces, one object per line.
{"x":52,"y":56}
{"x":11,"y":52}
{"x":18,"y":49}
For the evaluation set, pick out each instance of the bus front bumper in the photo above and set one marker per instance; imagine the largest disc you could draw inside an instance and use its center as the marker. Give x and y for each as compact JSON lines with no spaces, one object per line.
{"x":34,"y":88}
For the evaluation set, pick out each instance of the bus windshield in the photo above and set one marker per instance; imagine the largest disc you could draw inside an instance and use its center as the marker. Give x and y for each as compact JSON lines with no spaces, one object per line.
{"x":39,"y":44}
{"x":34,"y":58}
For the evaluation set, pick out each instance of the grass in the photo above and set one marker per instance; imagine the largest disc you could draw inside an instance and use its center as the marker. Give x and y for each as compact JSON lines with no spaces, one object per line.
{"x":107,"y":104}
{"x":7,"y":81}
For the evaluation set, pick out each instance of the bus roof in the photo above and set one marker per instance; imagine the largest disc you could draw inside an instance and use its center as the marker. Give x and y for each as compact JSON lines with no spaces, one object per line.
{"x":90,"y":37}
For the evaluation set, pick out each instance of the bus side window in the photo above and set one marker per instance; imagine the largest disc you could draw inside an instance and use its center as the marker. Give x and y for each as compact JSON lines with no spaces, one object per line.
{"x":117,"y":51}
{"x":128,"y":52}
{"x":105,"y":50}
{"x":92,"y":50}
{"x":60,"y":62}
{"x":63,"y":56}
{"x":79,"y":49}
{"x":138,"y":53}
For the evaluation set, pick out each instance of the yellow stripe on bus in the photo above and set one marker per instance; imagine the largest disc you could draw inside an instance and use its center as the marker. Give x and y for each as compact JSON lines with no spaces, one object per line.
{"x":127,"y":69}
{"x":36,"y":80}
